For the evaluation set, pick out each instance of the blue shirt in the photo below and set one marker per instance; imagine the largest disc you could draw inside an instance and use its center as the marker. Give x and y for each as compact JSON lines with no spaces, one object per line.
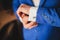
{"x":47,"y":18}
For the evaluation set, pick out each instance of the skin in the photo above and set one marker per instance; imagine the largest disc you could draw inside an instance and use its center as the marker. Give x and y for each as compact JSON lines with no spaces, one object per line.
{"x":23,"y":12}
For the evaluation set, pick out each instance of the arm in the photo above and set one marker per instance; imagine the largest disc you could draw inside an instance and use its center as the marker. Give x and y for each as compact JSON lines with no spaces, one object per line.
{"x":47,"y":14}
{"x":50,"y":3}
{"x":15,"y":5}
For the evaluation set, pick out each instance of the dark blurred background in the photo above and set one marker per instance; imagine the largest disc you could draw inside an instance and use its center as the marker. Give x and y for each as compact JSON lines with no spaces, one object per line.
{"x":6,"y":4}
{"x":6,"y":12}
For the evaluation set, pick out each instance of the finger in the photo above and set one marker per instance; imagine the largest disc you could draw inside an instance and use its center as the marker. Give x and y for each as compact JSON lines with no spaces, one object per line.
{"x":25,"y":19}
{"x":25,"y":8}
{"x":30,"y":25}
{"x":24,"y":5}
{"x":33,"y":25}
{"x":22,"y":15}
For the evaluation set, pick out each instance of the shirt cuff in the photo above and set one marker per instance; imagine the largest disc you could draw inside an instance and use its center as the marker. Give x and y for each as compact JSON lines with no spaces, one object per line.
{"x":32,"y":14}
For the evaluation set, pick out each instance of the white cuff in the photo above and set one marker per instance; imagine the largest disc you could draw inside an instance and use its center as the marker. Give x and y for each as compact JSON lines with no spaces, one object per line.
{"x":33,"y":14}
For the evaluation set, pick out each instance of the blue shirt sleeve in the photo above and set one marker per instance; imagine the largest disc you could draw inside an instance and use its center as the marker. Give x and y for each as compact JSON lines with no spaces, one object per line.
{"x":50,"y":3}
{"x":48,"y":16}
{"x":47,"y":13}
{"x":15,"y":5}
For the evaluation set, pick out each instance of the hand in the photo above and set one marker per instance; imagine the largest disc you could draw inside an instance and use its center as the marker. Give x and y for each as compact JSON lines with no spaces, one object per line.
{"x":26,"y":23}
{"x":24,"y":9}
{"x":22,"y":12}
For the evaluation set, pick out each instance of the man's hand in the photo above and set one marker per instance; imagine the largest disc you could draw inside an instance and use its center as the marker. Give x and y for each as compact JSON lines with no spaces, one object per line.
{"x":22,"y":12}
{"x":24,"y":9}
{"x":26,"y":23}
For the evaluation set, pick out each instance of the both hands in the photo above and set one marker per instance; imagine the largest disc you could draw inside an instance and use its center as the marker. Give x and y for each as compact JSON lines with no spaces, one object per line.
{"x":23,"y":12}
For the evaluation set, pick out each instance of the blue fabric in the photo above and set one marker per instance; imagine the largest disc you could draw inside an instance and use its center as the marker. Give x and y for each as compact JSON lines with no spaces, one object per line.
{"x":41,"y":32}
{"x":47,"y":18}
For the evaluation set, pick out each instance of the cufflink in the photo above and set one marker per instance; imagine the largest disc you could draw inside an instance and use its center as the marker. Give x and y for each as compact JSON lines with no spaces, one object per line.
{"x":34,"y":17}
